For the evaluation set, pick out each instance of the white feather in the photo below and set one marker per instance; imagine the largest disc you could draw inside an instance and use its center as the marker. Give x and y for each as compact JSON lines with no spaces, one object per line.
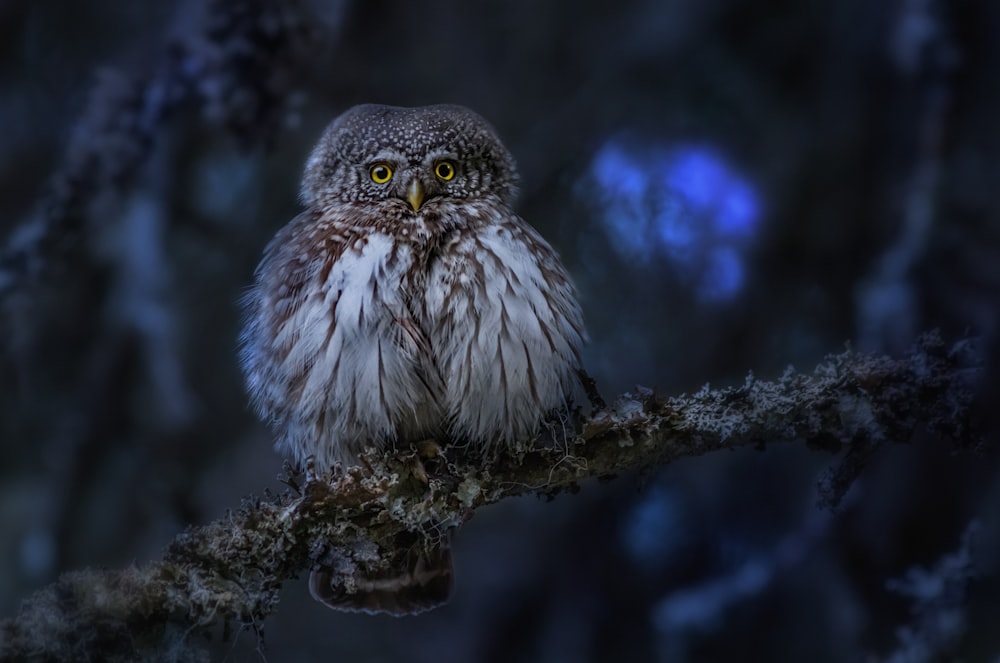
{"x":482,"y":348}
{"x":504,"y":373}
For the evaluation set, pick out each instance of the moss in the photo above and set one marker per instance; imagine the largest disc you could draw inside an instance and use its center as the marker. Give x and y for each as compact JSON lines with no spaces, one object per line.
{"x":367,"y":518}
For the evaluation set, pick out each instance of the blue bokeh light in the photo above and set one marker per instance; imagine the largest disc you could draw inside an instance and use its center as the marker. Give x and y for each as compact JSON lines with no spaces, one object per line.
{"x":686,"y":205}
{"x":722,"y":277}
{"x":654,"y":528}
{"x":738,"y":210}
{"x":697,"y":175}
{"x":619,"y":173}
{"x":675,"y":228}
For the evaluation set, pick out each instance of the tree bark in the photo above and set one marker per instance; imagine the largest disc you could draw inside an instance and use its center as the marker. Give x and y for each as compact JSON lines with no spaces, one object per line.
{"x":365,"y":518}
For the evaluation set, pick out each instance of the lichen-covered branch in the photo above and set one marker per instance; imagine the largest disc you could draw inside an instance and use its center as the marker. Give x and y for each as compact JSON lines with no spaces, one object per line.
{"x":364,"y":518}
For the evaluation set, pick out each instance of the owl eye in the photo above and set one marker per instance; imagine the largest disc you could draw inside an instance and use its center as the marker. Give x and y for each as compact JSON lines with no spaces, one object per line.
{"x":380,"y":173}
{"x":445,"y":170}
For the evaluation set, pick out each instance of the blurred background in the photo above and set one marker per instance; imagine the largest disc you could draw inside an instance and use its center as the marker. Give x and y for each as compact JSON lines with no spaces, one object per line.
{"x":735,"y":186}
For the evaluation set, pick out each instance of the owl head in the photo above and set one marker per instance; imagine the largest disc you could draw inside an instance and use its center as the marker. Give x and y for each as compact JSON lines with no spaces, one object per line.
{"x":411,"y":157}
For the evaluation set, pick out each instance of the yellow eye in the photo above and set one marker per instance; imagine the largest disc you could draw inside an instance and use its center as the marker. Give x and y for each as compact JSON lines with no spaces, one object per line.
{"x":380,"y":173}
{"x":445,"y":170}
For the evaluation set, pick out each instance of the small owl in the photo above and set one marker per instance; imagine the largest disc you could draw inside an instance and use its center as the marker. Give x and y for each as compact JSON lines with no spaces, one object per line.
{"x":408,"y":302}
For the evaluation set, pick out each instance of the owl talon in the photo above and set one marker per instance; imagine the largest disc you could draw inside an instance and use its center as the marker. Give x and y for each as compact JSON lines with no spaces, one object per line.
{"x":424,"y":450}
{"x":418,"y":470}
{"x":428,"y":449}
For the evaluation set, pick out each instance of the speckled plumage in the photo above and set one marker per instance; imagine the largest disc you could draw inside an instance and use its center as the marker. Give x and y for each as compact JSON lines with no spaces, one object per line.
{"x":382,"y":318}
{"x":371,"y":323}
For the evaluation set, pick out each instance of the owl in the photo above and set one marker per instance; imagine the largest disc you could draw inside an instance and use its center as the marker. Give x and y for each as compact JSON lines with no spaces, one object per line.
{"x":407,"y":303}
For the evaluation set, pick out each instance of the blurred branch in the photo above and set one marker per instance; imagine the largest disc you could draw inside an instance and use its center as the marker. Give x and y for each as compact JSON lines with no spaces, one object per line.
{"x":367,"y":518}
{"x":104,"y":222}
{"x":927,"y":60}
{"x":237,"y":72}
{"x":938,"y":597}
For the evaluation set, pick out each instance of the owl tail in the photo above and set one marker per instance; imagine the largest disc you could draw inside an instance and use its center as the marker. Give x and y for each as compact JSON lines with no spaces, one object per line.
{"x":423,"y":581}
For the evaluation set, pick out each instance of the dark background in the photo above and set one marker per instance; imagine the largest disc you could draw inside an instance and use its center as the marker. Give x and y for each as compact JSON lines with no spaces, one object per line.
{"x":735,"y":186}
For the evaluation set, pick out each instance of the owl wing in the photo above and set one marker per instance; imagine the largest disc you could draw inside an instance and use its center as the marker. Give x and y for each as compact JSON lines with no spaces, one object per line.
{"x":332,"y":355}
{"x":510,"y":332}
{"x":274,"y":379}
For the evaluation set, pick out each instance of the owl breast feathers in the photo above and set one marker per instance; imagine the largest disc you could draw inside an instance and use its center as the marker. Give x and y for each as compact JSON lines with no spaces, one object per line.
{"x":408,"y":301}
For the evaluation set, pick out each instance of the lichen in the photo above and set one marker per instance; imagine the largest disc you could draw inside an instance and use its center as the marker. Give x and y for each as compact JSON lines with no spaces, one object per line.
{"x":359,"y":518}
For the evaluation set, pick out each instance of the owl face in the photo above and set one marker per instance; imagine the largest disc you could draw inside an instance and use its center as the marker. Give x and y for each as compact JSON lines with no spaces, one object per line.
{"x":408,"y":158}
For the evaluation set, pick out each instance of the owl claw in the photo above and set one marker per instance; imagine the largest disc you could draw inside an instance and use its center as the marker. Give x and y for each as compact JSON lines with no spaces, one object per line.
{"x":428,"y":448}
{"x":424,"y":450}
{"x":419,"y":471}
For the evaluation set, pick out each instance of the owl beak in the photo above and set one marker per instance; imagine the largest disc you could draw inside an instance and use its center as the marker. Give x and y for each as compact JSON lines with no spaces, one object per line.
{"x":415,"y":194}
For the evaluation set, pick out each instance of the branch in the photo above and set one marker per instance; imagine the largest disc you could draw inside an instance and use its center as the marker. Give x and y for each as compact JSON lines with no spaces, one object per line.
{"x":938,"y":596}
{"x":237,"y":72}
{"x":365,"y":518}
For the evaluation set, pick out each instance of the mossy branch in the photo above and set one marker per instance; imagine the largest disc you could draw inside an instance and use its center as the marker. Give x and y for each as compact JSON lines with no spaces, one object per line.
{"x":232,"y":569}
